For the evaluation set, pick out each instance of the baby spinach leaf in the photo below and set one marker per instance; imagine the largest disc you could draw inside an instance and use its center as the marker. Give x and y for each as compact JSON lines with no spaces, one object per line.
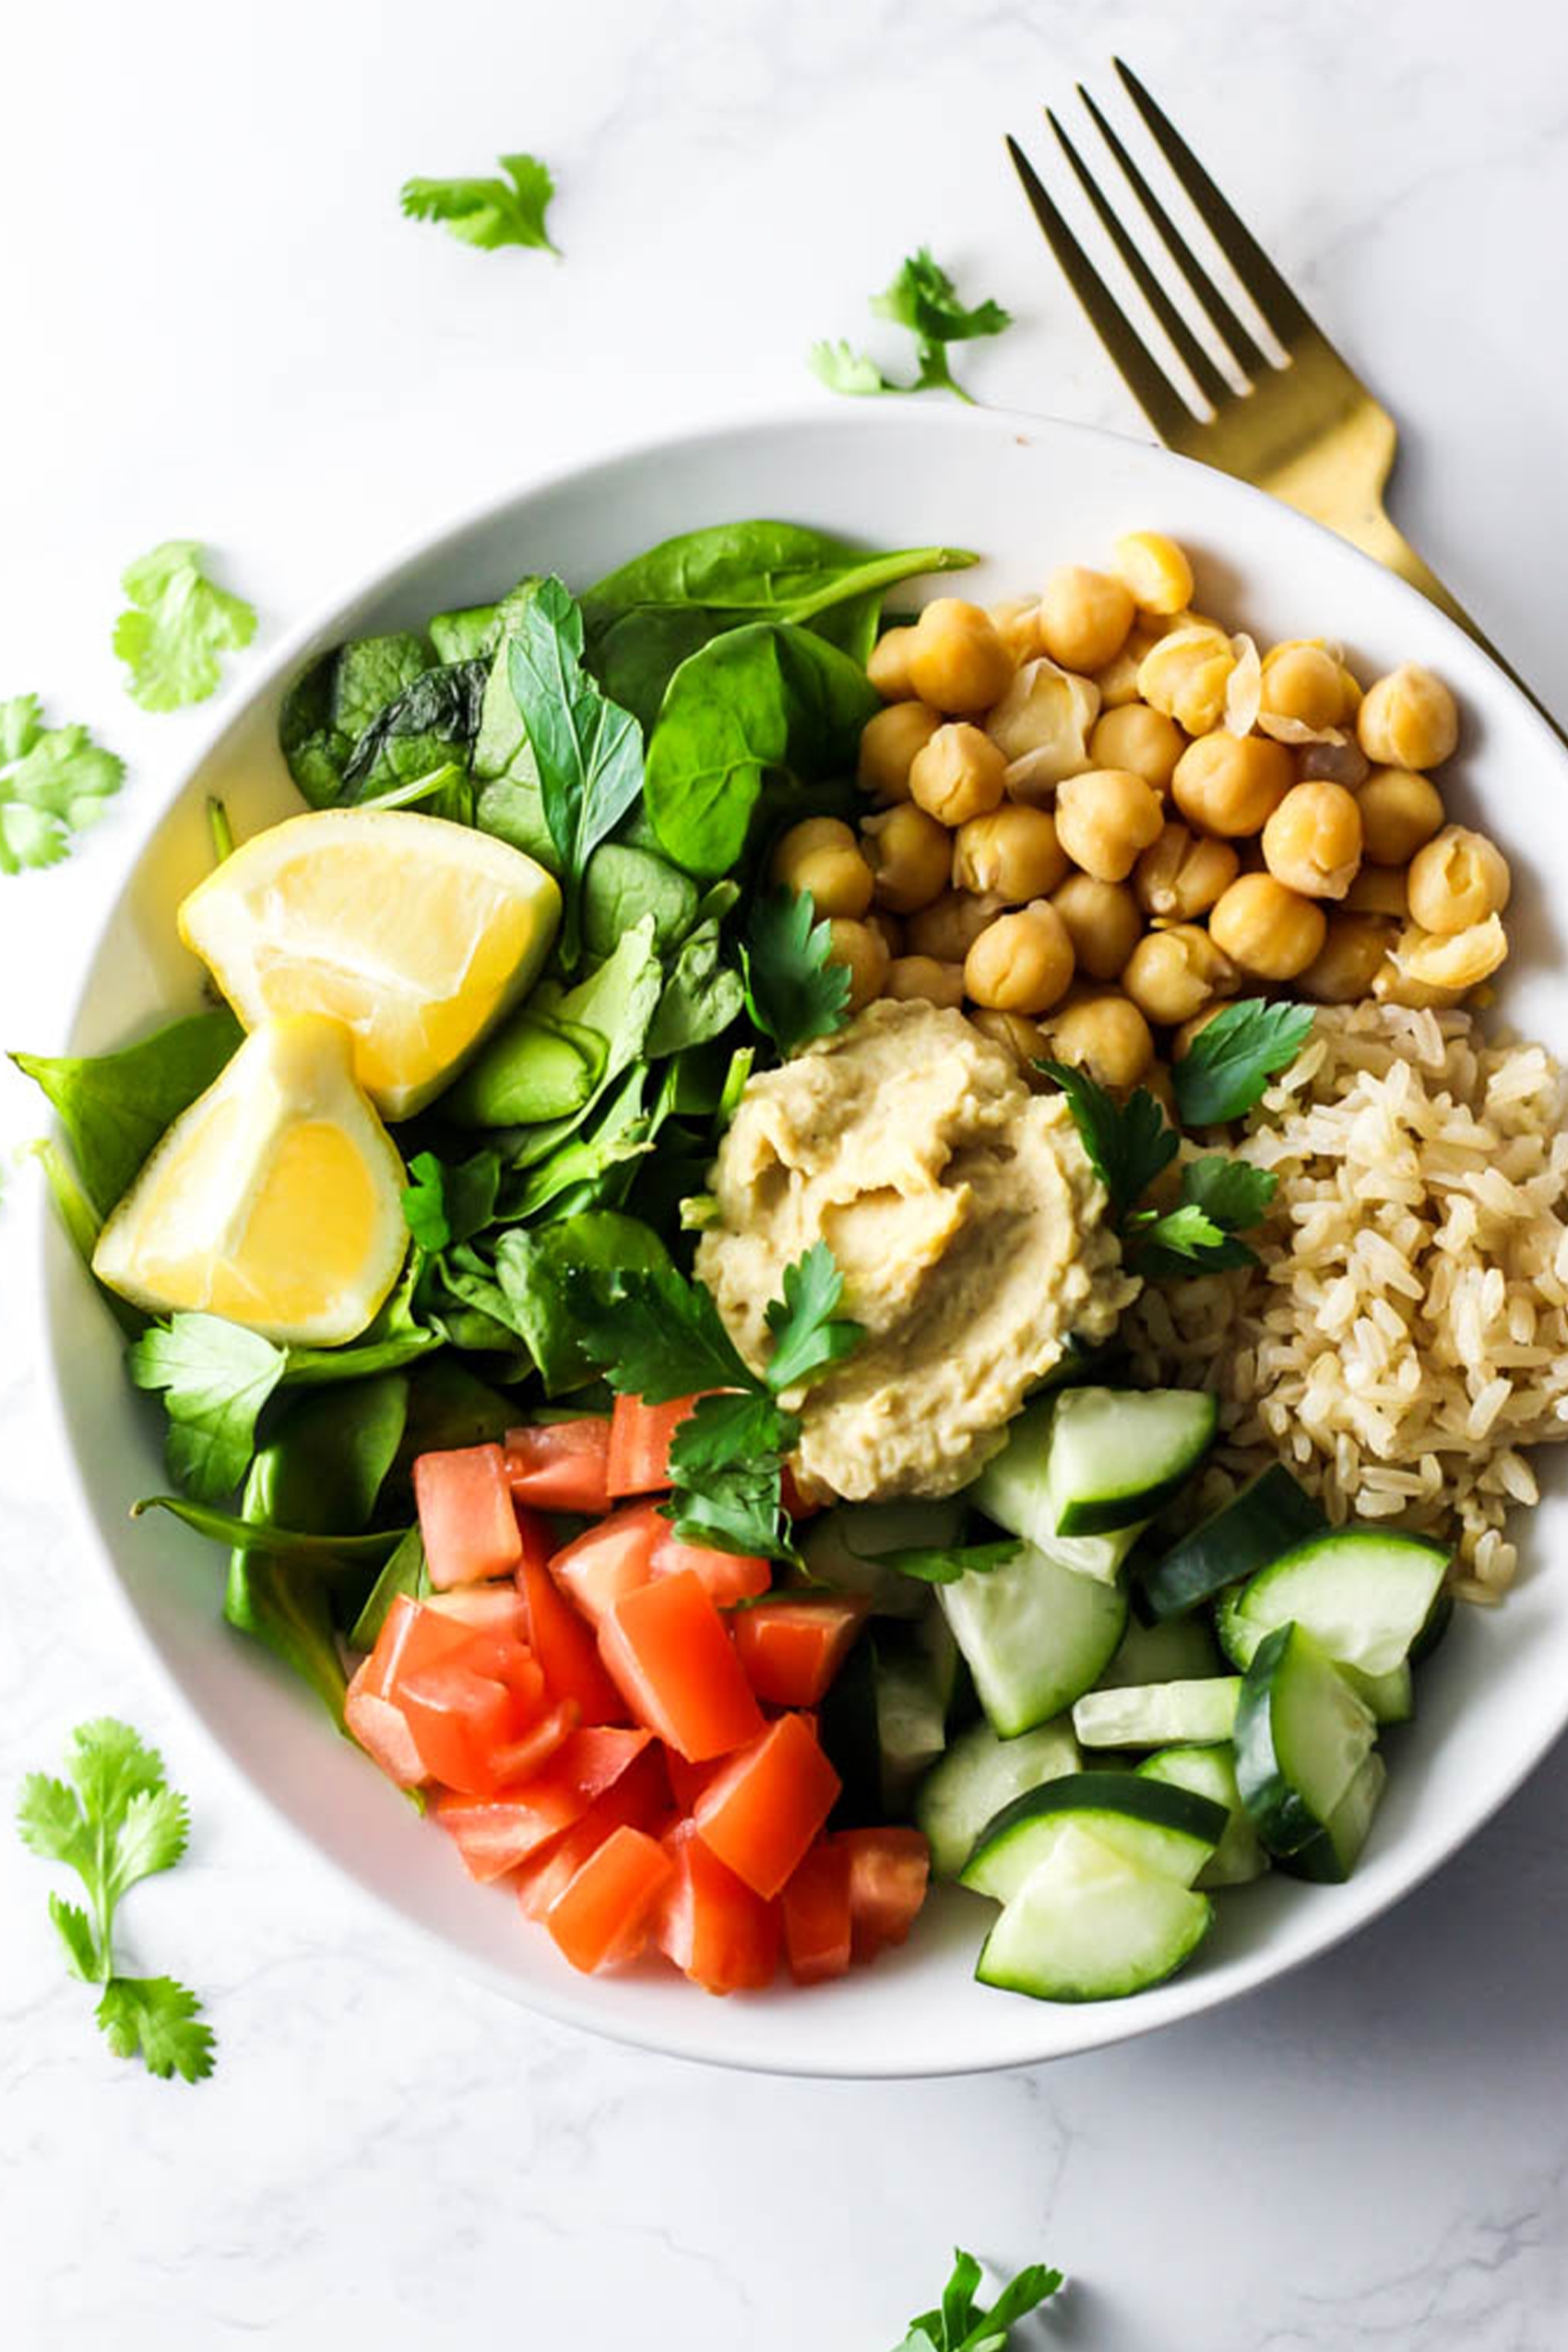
{"x":435,"y":716}
{"x":472,"y":633}
{"x":114,"y":1107}
{"x":701,"y":996}
{"x":766,"y":700}
{"x":242,"y":1533}
{"x":537,"y":1272}
{"x":795,"y":990}
{"x":596,"y":1029}
{"x":407,"y":1572}
{"x":575,"y":1171}
{"x":621,"y":885}
{"x":330,"y":705}
{"x":450,"y":1406}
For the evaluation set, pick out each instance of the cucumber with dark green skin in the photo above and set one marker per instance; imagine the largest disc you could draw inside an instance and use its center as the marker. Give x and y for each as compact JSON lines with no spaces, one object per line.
{"x":1117,"y":1455}
{"x":1301,"y":1736}
{"x":1240,"y":1855}
{"x":1331,"y":1854}
{"x":1391,"y":1696}
{"x":979,"y":1775}
{"x":1364,"y":1594}
{"x":1268,"y":1517}
{"x":1155,"y":1824}
{"x":1013,"y":1490}
{"x":1090,"y":1925}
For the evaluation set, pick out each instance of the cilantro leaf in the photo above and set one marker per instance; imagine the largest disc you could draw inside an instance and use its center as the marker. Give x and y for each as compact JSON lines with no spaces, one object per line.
{"x":944,"y":1564}
{"x":157,"y":2020}
{"x":1233,"y":1192}
{"x":82,"y":1954}
{"x":657,"y":1336}
{"x":961,"y":2325}
{"x":177,"y":626}
{"x":721,"y":1430}
{"x":807,"y":1339}
{"x":489,"y":213}
{"x":53,"y":783}
{"x":49,"y":1820}
{"x":445,"y":1204}
{"x":737,"y":1510}
{"x":215,"y":1377}
{"x":1231,"y":1062}
{"x":111,"y":1766}
{"x":153,"y":1834}
{"x":923,"y":299}
{"x":850,"y":372}
{"x":794,"y":993}
{"x":1128,"y":1143}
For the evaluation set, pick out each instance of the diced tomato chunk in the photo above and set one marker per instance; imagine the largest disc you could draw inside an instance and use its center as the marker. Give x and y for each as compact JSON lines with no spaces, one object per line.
{"x":763,"y":1807}
{"x":566,"y":1651}
{"x":666,"y":1647}
{"x":792,"y":1649}
{"x":412,"y":1636}
{"x":728,"y":1576}
{"x":462,"y":1721}
{"x":613,"y":1559}
{"x":495,"y":1834}
{"x":604,"y":1914}
{"x":687,"y":1781}
{"x":711,"y":1924}
{"x":639,"y":1443}
{"x":890,"y":1870}
{"x":383,"y":1732}
{"x":528,"y":1753}
{"x":483,"y":1609}
{"x":465,"y":1516}
{"x":637,"y":1797}
{"x":817,"y":1915}
{"x":561,"y":1465}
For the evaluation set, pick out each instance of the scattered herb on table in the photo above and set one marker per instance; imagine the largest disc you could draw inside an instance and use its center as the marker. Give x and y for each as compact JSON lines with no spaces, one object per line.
{"x":923,"y":299}
{"x":794,"y":993}
{"x":115,"y":1819}
{"x":961,"y":2324}
{"x":489,"y":213}
{"x":178,"y":623}
{"x":53,"y":784}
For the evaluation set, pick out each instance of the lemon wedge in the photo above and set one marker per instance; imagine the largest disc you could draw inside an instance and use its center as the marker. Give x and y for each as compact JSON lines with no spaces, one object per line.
{"x":415,"y":933}
{"x":274,"y":1200}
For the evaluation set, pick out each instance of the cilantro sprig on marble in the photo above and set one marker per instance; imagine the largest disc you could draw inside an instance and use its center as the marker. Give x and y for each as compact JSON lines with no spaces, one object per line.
{"x":660,"y":1336}
{"x":960,"y":2324}
{"x":115,"y":1821}
{"x":485,"y":212}
{"x":923,"y":299}
{"x":178,"y":623}
{"x":55,"y":783}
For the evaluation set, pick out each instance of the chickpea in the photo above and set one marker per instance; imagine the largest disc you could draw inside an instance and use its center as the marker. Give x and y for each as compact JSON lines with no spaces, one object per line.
{"x":1181,"y":874}
{"x":1166,"y":1188}
{"x":958,"y":775}
{"x":1173,"y":974}
{"x":1083,"y":617}
{"x":1303,"y":684}
{"x":1144,"y":740}
{"x":1457,"y":879}
{"x":1186,"y":673}
{"x":922,"y":975}
{"x":1313,"y":840}
{"x":1268,"y":928}
{"x":1107,"y":1036}
{"x":1105,"y":819}
{"x":1043,"y":721}
{"x":1335,"y":763}
{"x":1458,"y":959}
{"x":1379,"y":890}
{"x":888,"y":744}
{"x":863,"y":954}
{"x":949,"y":928}
{"x":823,"y":857}
{"x":888,"y":928}
{"x":1102,"y":922}
{"x":1343,"y":970}
{"x":1408,"y":719}
{"x":1183,"y":1038}
{"x":1012,"y":854}
{"x":958,"y":662}
{"x":1117,"y":681}
{"x":1232,"y":784}
{"x":1392,"y":986}
{"x":888,"y":666}
{"x":1021,"y":962}
{"x":1017,"y":625}
{"x":1399,"y":812}
{"x":1023,"y":1040}
{"x":1155,"y":570}
{"x":910,"y":855}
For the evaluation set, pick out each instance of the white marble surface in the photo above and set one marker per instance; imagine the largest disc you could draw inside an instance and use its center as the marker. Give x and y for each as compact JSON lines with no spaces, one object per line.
{"x":218,"y":323}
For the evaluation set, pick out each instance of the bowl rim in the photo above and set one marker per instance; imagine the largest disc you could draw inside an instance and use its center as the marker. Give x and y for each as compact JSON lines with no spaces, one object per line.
{"x":1106,"y":2023}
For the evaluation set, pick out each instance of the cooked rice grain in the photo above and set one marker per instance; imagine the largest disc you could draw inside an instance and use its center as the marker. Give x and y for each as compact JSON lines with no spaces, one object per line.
{"x":1407,"y":1332}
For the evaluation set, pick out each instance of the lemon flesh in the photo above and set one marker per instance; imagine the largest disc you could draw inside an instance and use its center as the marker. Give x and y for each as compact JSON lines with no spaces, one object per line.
{"x":415,"y":933}
{"x":276,"y":1200}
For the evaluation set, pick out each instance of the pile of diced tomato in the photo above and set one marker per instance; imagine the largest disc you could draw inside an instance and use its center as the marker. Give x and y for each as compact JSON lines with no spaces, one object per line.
{"x":621,"y":1726}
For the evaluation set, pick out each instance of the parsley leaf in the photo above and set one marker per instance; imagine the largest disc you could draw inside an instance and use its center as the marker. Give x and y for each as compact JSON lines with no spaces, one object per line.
{"x":53,"y":783}
{"x":215,"y":1377}
{"x":962,"y":2325}
{"x":1231,"y":1060}
{"x":1128,"y":1143}
{"x":489,"y":213}
{"x":1219,"y":1196}
{"x":851,"y":371}
{"x":806,"y":1337}
{"x":657,"y":1336}
{"x":945,"y":1565}
{"x":446,"y":1204}
{"x":114,"y":1822}
{"x":177,"y":626}
{"x":923,"y":299}
{"x":793,"y":991}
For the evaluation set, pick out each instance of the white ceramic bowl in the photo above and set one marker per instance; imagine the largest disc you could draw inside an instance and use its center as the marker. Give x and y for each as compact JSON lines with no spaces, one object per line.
{"x":1027,"y":494}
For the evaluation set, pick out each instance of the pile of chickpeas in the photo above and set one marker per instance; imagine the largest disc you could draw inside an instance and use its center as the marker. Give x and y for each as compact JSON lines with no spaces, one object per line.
{"x":1099,"y":815}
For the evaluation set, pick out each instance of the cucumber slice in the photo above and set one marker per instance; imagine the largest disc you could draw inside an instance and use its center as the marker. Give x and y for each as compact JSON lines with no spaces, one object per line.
{"x":1301,"y":1737}
{"x":1362,"y":1593}
{"x":910,"y":1690}
{"x":1035,"y":1634}
{"x":1181,"y":1650}
{"x":1240,"y":1855}
{"x":1158,"y":1827}
{"x":1090,"y":1925}
{"x":978,"y":1777}
{"x":1333,"y":1854}
{"x":839,"y":1548}
{"x":1270,"y":1516}
{"x":1116,"y":1453}
{"x":1011,"y":1490}
{"x":1391,"y":1696}
{"x":1160,"y":1715}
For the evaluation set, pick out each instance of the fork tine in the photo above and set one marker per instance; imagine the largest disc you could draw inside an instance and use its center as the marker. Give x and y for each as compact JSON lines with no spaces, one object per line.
{"x":1252,"y":362}
{"x":1209,"y":381}
{"x":1146,"y":381}
{"x":1230,"y":233}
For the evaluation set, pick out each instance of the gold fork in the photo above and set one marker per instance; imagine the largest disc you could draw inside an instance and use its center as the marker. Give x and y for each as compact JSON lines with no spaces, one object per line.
{"x":1308,"y":430}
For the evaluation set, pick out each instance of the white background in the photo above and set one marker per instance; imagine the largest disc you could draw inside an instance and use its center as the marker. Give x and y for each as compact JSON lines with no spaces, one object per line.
{"x":216,"y":323}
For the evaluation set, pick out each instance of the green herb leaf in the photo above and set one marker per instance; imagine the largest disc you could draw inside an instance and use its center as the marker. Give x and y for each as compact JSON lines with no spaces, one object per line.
{"x":331,"y":704}
{"x":446,"y":1203}
{"x":961,"y":2325}
{"x":945,"y":1566}
{"x":76,"y":1932}
{"x":178,"y":624}
{"x":843,"y":369}
{"x":407,"y":1572}
{"x":1219,"y":1197}
{"x":794,"y":992}
{"x":657,"y":1336}
{"x":737,"y":1510}
{"x":1128,"y":1143}
{"x":215,"y":1377}
{"x":1233,"y":1192}
{"x":116,"y":1107}
{"x":158,"y":2021}
{"x":540,"y":1273}
{"x":923,"y":299}
{"x":807,"y":1339}
{"x":244,"y":1533}
{"x":48,"y":1819}
{"x":1231,"y":1060}
{"x":55,"y":783}
{"x":489,"y":213}
{"x":727,"y":1429}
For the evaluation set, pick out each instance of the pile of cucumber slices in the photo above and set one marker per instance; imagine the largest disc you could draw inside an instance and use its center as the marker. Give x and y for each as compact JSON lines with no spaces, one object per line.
{"x":1153,"y":1724}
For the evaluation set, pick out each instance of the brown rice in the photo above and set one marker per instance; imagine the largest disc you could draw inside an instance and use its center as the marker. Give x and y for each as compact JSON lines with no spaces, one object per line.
{"x":1406,"y":1333}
